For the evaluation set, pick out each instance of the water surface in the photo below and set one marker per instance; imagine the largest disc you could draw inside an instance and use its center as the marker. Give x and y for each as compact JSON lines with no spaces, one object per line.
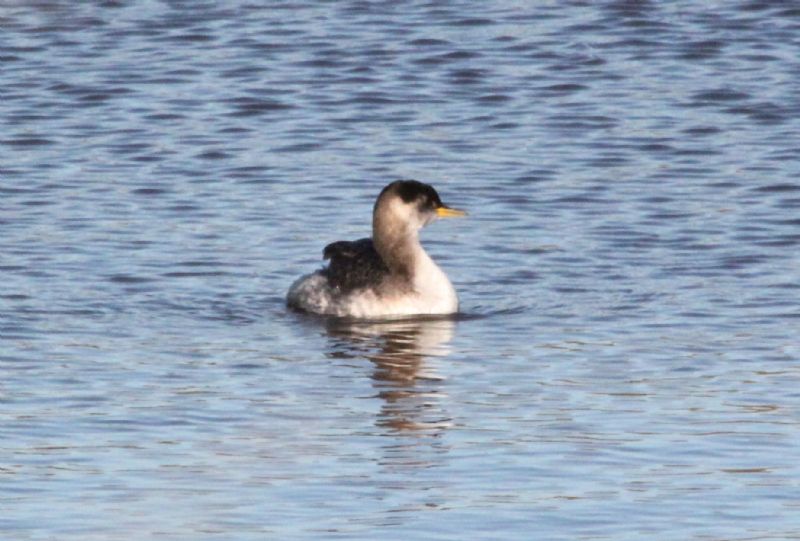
{"x":626,"y":364}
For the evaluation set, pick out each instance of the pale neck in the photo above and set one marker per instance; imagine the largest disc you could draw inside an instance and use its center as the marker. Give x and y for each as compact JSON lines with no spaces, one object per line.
{"x":399,"y":246}
{"x":411,"y":266}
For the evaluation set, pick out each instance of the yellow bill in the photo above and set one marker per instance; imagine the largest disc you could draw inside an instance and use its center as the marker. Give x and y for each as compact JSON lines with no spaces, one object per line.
{"x":447,"y":212}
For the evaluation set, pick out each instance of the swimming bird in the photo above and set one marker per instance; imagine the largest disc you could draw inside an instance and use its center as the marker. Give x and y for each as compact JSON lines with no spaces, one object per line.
{"x":389,"y":274}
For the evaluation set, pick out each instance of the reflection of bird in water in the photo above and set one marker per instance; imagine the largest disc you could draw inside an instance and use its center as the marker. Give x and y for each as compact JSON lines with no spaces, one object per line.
{"x":399,"y":350}
{"x":389,"y":274}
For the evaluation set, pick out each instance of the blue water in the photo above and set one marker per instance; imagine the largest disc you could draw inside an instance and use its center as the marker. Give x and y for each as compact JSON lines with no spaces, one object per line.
{"x":626,"y":364}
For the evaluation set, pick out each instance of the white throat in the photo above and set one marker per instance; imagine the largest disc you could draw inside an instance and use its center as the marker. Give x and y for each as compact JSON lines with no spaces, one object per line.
{"x":432,"y":284}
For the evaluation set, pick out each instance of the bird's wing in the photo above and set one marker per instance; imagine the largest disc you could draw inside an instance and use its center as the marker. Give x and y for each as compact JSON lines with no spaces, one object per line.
{"x":354,"y":265}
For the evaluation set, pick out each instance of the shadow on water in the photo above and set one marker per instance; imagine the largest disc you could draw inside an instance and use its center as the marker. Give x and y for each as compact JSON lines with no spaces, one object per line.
{"x":404,"y":375}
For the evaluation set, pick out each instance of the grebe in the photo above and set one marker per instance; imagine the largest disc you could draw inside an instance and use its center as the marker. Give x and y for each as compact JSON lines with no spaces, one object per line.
{"x":389,"y":274}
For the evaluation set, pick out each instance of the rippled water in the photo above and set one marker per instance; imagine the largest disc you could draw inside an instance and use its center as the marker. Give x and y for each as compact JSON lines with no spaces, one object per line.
{"x":626,"y":365}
